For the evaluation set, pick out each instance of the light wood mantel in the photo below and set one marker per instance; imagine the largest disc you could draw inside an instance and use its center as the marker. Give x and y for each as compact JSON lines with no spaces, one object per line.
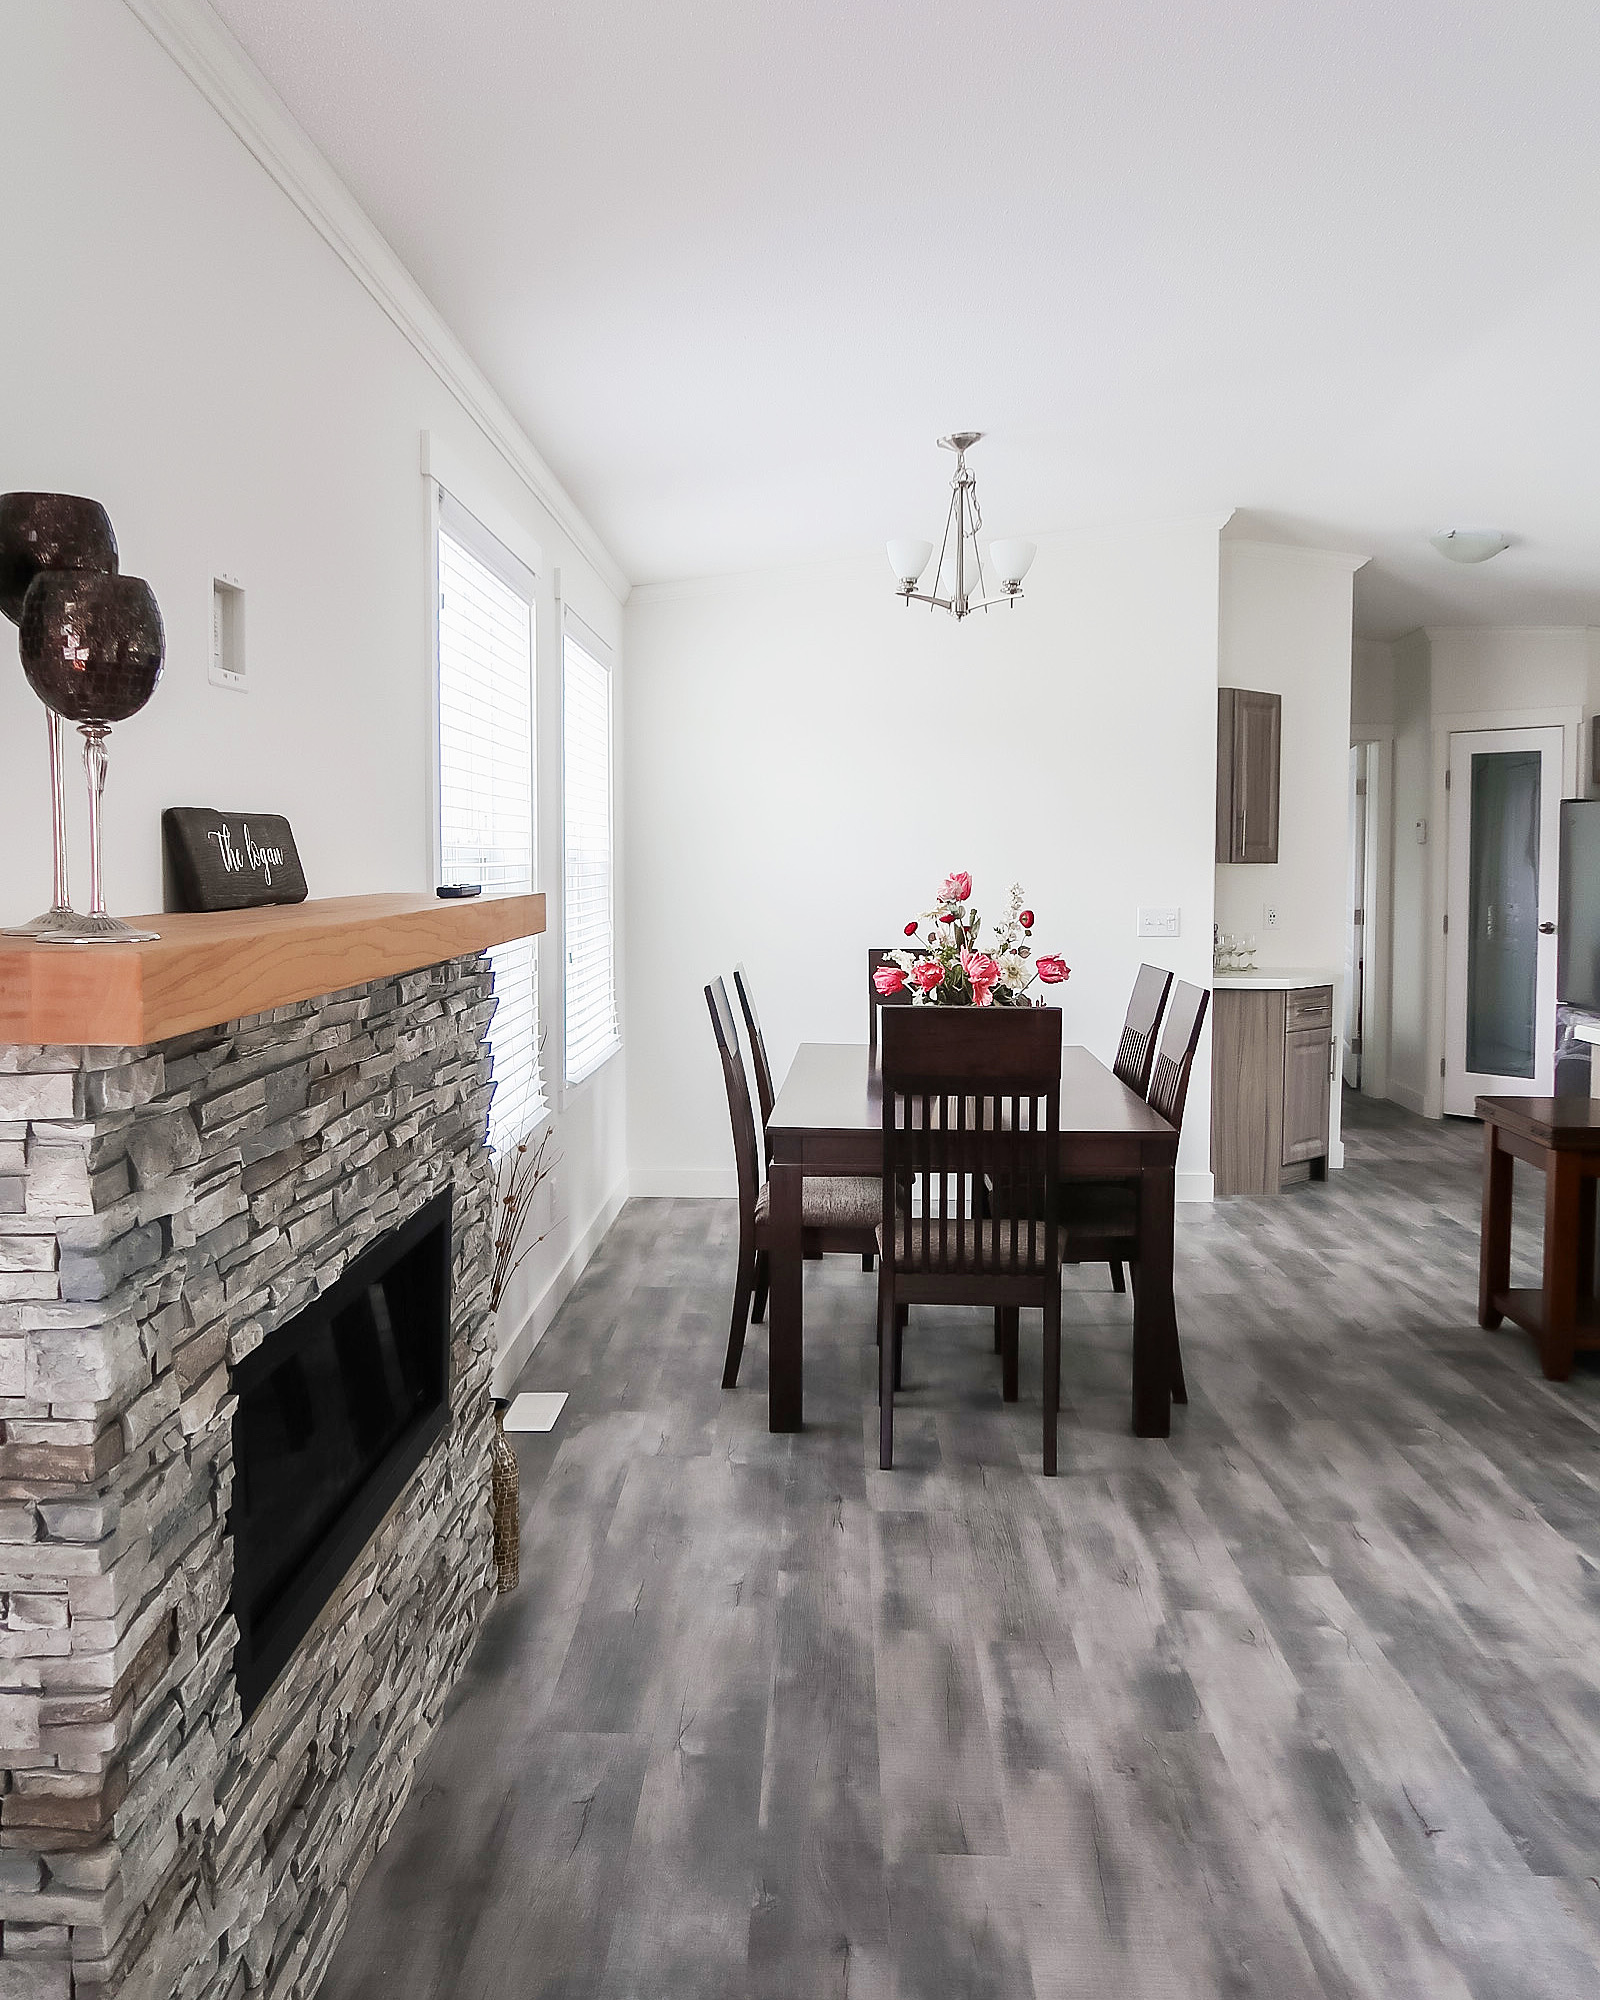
{"x":212,"y":967}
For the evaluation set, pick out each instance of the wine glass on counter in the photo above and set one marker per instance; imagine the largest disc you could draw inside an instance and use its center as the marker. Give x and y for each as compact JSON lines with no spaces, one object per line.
{"x":51,"y":531}
{"x":93,"y":647}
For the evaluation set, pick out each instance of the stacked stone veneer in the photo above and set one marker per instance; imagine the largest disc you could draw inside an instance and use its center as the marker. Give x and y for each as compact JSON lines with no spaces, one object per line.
{"x":162,"y":1210}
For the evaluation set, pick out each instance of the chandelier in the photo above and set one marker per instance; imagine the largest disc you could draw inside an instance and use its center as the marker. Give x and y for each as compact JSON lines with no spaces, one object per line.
{"x":1011,"y":560}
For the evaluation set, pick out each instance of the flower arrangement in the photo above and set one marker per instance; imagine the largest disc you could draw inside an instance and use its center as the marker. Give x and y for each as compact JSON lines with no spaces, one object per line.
{"x":946,"y":968}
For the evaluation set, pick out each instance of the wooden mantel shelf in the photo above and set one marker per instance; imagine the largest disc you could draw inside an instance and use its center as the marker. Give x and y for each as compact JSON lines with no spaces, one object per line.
{"x":215,"y":967}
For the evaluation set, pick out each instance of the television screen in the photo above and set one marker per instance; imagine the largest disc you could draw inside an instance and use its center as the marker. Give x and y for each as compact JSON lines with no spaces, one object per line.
{"x":1578,"y":930}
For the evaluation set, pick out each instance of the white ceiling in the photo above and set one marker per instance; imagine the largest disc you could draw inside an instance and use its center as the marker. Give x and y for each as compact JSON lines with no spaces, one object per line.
{"x":734,"y":265}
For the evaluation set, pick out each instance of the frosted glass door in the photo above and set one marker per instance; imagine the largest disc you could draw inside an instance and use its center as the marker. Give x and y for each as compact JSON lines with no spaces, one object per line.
{"x":1503,"y":913}
{"x":1505,"y":794}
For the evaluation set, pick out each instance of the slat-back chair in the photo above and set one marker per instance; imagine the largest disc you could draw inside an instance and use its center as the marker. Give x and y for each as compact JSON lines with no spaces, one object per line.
{"x":1136,"y":1053}
{"x":970,"y":1096}
{"x":851,"y":1241}
{"x":1100,"y":1219}
{"x":765,"y":1094}
{"x":836,"y":1213}
{"x":876,"y":957}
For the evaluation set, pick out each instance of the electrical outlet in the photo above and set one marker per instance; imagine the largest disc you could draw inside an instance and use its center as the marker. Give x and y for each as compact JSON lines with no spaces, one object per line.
{"x":1161,"y":920}
{"x":1269,"y":916}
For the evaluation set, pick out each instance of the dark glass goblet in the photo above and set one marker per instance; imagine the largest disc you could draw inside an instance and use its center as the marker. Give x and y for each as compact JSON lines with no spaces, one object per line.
{"x":51,"y":531}
{"x":93,"y":648}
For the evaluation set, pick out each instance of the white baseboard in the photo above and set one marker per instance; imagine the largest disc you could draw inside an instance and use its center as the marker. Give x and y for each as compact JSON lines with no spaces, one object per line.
{"x":1336,"y":1156}
{"x":513,"y":1356}
{"x":1194,"y":1187}
{"x":1409,"y":1099}
{"x":704,"y":1183}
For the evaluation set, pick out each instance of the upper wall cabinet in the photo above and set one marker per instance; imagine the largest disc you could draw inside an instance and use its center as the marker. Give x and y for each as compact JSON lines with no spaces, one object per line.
{"x":1249,"y":727}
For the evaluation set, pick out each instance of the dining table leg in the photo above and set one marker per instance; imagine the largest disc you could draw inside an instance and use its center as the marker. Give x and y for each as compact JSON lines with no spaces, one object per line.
{"x":1155,"y":1319}
{"x":786,"y":1303}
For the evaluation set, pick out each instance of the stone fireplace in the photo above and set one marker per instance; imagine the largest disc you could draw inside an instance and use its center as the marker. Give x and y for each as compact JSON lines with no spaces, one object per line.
{"x":200,"y":1232}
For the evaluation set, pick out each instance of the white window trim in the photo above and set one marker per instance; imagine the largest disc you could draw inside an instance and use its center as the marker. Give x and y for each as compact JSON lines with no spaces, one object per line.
{"x":600,"y":651}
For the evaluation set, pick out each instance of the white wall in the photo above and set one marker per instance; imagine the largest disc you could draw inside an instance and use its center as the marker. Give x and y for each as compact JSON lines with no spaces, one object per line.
{"x":1285,"y":629}
{"x":182,"y":344}
{"x":808,"y":758}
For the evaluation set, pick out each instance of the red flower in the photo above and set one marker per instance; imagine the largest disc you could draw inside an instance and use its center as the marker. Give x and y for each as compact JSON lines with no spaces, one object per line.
{"x":911,"y":930}
{"x":1052,"y":970}
{"x":957,"y":888}
{"x":927,"y":975}
{"x":1025,"y":918}
{"x":983,"y":976}
{"x":889,"y":979}
{"x":947,"y":916}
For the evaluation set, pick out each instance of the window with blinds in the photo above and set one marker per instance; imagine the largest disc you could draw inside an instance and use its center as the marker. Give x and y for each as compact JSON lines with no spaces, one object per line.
{"x":589,"y":932}
{"x":486,"y":783}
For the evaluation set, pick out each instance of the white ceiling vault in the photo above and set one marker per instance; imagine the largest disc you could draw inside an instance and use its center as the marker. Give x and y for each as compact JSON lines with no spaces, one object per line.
{"x":735,"y":265}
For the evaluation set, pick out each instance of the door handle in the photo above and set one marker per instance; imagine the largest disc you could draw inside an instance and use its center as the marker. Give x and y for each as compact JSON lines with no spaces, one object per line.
{"x":1547,"y":930}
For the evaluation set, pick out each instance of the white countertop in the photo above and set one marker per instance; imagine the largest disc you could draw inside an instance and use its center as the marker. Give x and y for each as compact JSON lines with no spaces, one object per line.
{"x":1270,"y":980}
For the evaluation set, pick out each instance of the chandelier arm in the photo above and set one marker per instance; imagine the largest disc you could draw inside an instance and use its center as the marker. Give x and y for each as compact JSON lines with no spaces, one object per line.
{"x":939,"y":572}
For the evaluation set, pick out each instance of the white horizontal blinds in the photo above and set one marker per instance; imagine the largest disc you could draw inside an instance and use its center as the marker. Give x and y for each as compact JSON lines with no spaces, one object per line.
{"x":589,"y":930}
{"x":486,"y":783}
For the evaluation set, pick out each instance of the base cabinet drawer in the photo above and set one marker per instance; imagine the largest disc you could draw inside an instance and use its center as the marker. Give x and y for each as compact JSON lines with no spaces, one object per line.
{"x":1307,"y":1058}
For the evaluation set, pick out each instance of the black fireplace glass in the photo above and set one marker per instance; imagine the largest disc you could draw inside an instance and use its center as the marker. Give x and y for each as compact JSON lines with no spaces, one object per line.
{"x":336,"y":1411}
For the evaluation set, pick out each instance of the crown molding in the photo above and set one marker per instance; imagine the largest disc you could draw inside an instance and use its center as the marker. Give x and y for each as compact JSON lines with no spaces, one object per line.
{"x":215,"y":63}
{"x":1345,"y":560}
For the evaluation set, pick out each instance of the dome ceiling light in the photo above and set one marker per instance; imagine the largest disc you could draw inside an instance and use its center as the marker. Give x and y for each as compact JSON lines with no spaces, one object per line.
{"x":908,"y":558}
{"x":1469,"y":545}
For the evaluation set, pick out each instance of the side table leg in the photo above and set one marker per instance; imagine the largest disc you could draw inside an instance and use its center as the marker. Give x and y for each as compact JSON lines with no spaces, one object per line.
{"x":1563,"y":1231}
{"x":1494,"y":1243}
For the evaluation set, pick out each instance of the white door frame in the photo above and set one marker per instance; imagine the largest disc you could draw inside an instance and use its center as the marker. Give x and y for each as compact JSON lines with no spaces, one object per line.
{"x":1444,"y":727}
{"x":1378,"y":943}
{"x":1461,"y":1086}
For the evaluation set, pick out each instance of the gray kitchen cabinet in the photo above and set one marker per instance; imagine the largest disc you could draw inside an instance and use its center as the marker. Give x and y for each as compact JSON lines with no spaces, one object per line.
{"x":1249,"y":743}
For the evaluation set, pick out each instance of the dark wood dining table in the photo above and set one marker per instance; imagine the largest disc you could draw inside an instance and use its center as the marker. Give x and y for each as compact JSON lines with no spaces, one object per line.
{"x":829,"y":1120}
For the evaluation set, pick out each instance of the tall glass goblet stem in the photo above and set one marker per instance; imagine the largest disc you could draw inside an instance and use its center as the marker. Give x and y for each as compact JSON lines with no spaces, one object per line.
{"x":61,"y":898}
{"x":94,"y":766}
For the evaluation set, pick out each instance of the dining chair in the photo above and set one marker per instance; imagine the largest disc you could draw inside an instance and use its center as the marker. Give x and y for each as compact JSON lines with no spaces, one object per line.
{"x":1136,"y":1053}
{"x":970,"y":1097}
{"x":864,"y":1242}
{"x":876,"y":957}
{"x":1100,"y":1219}
{"x":836,"y":1212}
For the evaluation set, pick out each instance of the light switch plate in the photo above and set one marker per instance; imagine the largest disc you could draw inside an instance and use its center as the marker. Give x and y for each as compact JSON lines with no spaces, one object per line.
{"x":1160,"y":920}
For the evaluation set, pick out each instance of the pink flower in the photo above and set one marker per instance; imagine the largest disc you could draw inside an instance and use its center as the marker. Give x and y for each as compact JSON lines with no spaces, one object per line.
{"x":889,"y":979}
{"x":983,"y":976}
{"x":1025,"y":918}
{"x":1052,"y":970}
{"x":927,"y":975}
{"x":911,"y":930}
{"x":957,"y":888}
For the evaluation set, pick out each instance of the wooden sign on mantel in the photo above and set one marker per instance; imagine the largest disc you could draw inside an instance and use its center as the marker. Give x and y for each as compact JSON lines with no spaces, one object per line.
{"x":231,"y":861}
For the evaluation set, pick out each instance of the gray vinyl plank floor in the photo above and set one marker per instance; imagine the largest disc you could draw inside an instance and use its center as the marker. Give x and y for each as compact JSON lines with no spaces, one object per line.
{"x":1303,"y":1701}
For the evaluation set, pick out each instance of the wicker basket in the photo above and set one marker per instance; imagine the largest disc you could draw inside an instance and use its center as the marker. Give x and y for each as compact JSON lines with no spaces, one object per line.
{"x":504,"y":1506}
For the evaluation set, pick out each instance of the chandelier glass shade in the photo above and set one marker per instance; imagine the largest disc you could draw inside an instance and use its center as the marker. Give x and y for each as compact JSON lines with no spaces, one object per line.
{"x":959,"y":584}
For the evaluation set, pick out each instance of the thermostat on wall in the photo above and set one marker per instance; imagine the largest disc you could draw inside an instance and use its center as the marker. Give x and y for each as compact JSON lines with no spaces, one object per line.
{"x":227,"y":633}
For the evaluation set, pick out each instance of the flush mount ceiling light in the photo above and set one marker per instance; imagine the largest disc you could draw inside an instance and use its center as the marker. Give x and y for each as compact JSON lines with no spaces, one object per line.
{"x":1469,"y":545}
{"x":908,"y":558}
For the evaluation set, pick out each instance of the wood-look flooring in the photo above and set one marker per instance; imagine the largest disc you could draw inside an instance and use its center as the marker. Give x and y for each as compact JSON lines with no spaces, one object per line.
{"x":1304,"y":1701}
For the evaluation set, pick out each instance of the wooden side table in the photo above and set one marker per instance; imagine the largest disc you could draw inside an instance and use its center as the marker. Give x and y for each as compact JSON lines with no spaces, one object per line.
{"x":1561,"y":1137}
